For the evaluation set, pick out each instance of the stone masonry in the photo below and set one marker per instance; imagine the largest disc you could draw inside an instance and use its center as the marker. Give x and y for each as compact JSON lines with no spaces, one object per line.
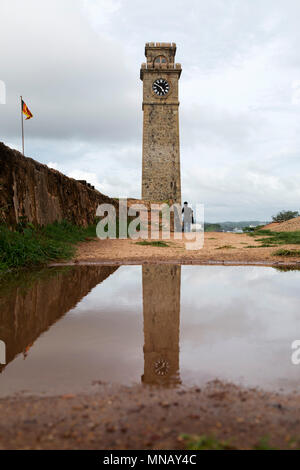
{"x":161,"y":156}
{"x":30,"y":190}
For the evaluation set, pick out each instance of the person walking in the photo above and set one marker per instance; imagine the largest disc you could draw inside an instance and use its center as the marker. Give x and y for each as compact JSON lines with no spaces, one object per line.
{"x":188,"y":218}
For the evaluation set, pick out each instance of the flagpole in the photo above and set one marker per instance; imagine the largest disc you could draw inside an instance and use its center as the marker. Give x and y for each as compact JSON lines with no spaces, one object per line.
{"x":22,"y":121}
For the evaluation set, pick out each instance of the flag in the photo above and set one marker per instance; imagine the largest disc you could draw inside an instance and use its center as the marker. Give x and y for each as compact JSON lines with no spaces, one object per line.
{"x":26,"y":111}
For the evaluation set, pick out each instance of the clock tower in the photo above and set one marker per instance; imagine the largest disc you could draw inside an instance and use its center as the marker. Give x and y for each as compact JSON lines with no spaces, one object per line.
{"x":161,"y":157}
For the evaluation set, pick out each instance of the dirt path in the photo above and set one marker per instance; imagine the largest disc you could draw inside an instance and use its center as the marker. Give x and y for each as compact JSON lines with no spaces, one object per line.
{"x":218,"y":247}
{"x":119,"y":417}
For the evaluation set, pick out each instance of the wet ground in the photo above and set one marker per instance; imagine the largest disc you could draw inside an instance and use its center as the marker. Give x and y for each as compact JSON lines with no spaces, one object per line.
{"x":138,"y":417}
{"x":126,"y":354}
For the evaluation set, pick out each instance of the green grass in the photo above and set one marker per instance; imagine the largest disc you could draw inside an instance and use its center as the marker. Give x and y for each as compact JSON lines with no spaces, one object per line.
{"x":226,"y":247}
{"x":212,"y":443}
{"x":157,"y":244}
{"x":31,"y":246}
{"x":276,"y":238}
{"x":204,"y":443}
{"x":263,"y":444}
{"x":286,"y":252}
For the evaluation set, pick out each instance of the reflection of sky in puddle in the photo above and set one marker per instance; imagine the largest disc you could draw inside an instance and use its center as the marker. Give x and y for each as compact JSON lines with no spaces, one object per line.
{"x":239,"y":325}
{"x":236,"y":324}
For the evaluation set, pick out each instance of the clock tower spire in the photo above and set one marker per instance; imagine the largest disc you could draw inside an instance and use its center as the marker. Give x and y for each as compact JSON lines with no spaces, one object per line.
{"x":161,"y":155}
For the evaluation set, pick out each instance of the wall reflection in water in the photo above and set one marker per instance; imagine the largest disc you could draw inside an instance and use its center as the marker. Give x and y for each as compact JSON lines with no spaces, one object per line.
{"x":161,"y":309}
{"x":40,"y":300}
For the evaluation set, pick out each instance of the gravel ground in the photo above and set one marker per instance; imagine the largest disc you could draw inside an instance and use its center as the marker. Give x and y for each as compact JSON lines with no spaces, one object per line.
{"x":139,"y":417}
{"x":218,"y":248}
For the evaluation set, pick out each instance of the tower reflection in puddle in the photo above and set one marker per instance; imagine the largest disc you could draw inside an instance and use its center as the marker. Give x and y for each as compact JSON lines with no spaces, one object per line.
{"x":161,"y":309}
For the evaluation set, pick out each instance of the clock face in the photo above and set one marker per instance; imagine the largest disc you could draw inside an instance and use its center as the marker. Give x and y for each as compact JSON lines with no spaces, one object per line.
{"x":161,"y":87}
{"x":161,"y":367}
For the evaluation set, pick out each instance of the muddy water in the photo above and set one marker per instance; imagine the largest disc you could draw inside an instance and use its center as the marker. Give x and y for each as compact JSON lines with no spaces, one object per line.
{"x":67,"y":329}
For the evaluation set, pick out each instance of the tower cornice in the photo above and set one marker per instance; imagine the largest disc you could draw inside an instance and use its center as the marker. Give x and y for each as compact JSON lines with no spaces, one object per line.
{"x":160,"y":103}
{"x":171,"y":68}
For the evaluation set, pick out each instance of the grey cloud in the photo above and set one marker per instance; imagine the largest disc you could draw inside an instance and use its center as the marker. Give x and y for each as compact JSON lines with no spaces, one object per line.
{"x":77,"y":83}
{"x":77,"y":64}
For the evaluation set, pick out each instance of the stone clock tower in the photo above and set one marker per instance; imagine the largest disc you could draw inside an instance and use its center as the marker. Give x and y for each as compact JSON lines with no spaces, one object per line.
{"x":161,"y":157}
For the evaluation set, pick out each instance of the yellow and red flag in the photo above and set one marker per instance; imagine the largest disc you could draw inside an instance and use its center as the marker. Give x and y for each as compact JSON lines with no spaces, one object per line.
{"x":26,"y":111}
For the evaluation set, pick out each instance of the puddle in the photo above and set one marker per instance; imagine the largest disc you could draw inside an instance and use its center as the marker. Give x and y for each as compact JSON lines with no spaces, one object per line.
{"x":66,"y":328}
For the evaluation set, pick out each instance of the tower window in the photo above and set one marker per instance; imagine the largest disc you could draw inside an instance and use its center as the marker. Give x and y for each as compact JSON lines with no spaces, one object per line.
{"x":161,"y":59}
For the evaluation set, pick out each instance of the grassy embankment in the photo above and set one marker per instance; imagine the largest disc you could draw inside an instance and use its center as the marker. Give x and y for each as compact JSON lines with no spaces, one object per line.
{"x":267,"y":238}
{"x":30,"y":246}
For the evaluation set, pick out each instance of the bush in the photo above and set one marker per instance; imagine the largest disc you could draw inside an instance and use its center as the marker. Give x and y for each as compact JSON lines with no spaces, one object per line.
{"x":283,"y":216}
{"x":212,"y":227}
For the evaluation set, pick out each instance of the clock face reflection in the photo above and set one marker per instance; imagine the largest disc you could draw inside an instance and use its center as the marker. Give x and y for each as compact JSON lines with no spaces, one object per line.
{"x":161,"y":87}
{"x":161,"y":367}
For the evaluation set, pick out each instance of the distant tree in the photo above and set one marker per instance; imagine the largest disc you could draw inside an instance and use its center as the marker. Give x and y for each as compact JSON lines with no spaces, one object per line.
{"x":212,"y":227}
{"x":285,"y":215}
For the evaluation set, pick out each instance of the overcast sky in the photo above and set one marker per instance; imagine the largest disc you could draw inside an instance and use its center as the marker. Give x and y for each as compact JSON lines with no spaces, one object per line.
{"x":76,"y":63}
